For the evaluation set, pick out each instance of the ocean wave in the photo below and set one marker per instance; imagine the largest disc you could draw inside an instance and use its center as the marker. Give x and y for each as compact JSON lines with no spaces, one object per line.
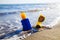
{"x":9,"y":26}
{"x":19,"y":7}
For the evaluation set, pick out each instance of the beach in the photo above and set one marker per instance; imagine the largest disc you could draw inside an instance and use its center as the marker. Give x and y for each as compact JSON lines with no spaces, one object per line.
{"x":50,"y":34}
{"x":11,"y":20}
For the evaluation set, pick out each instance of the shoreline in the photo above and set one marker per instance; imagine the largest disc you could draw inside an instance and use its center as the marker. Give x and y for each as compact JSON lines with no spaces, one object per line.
{"x":50,"y":34}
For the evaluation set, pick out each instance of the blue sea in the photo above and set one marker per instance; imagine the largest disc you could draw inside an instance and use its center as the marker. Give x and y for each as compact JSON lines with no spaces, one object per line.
{"x":10,"y":15}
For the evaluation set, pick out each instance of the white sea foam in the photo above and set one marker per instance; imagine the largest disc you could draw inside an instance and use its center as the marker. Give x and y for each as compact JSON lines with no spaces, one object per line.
{"x":54,"y":23}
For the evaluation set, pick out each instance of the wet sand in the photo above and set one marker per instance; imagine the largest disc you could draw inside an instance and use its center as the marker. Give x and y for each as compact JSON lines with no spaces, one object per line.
{"x":51,"y":34}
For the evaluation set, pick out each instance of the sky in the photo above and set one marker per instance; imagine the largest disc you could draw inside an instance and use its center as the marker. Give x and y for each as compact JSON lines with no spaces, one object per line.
{"x":27,"y":1}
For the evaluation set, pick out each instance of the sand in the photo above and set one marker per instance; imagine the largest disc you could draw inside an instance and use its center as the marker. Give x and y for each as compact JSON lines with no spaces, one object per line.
{"x":51,"y":34}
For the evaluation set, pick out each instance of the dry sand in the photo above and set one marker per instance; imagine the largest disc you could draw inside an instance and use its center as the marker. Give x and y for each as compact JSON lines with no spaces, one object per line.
{"x":52,"y":34}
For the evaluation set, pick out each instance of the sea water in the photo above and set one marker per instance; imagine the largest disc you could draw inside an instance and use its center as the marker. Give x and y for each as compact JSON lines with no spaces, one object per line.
{"x":10,"y":19}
